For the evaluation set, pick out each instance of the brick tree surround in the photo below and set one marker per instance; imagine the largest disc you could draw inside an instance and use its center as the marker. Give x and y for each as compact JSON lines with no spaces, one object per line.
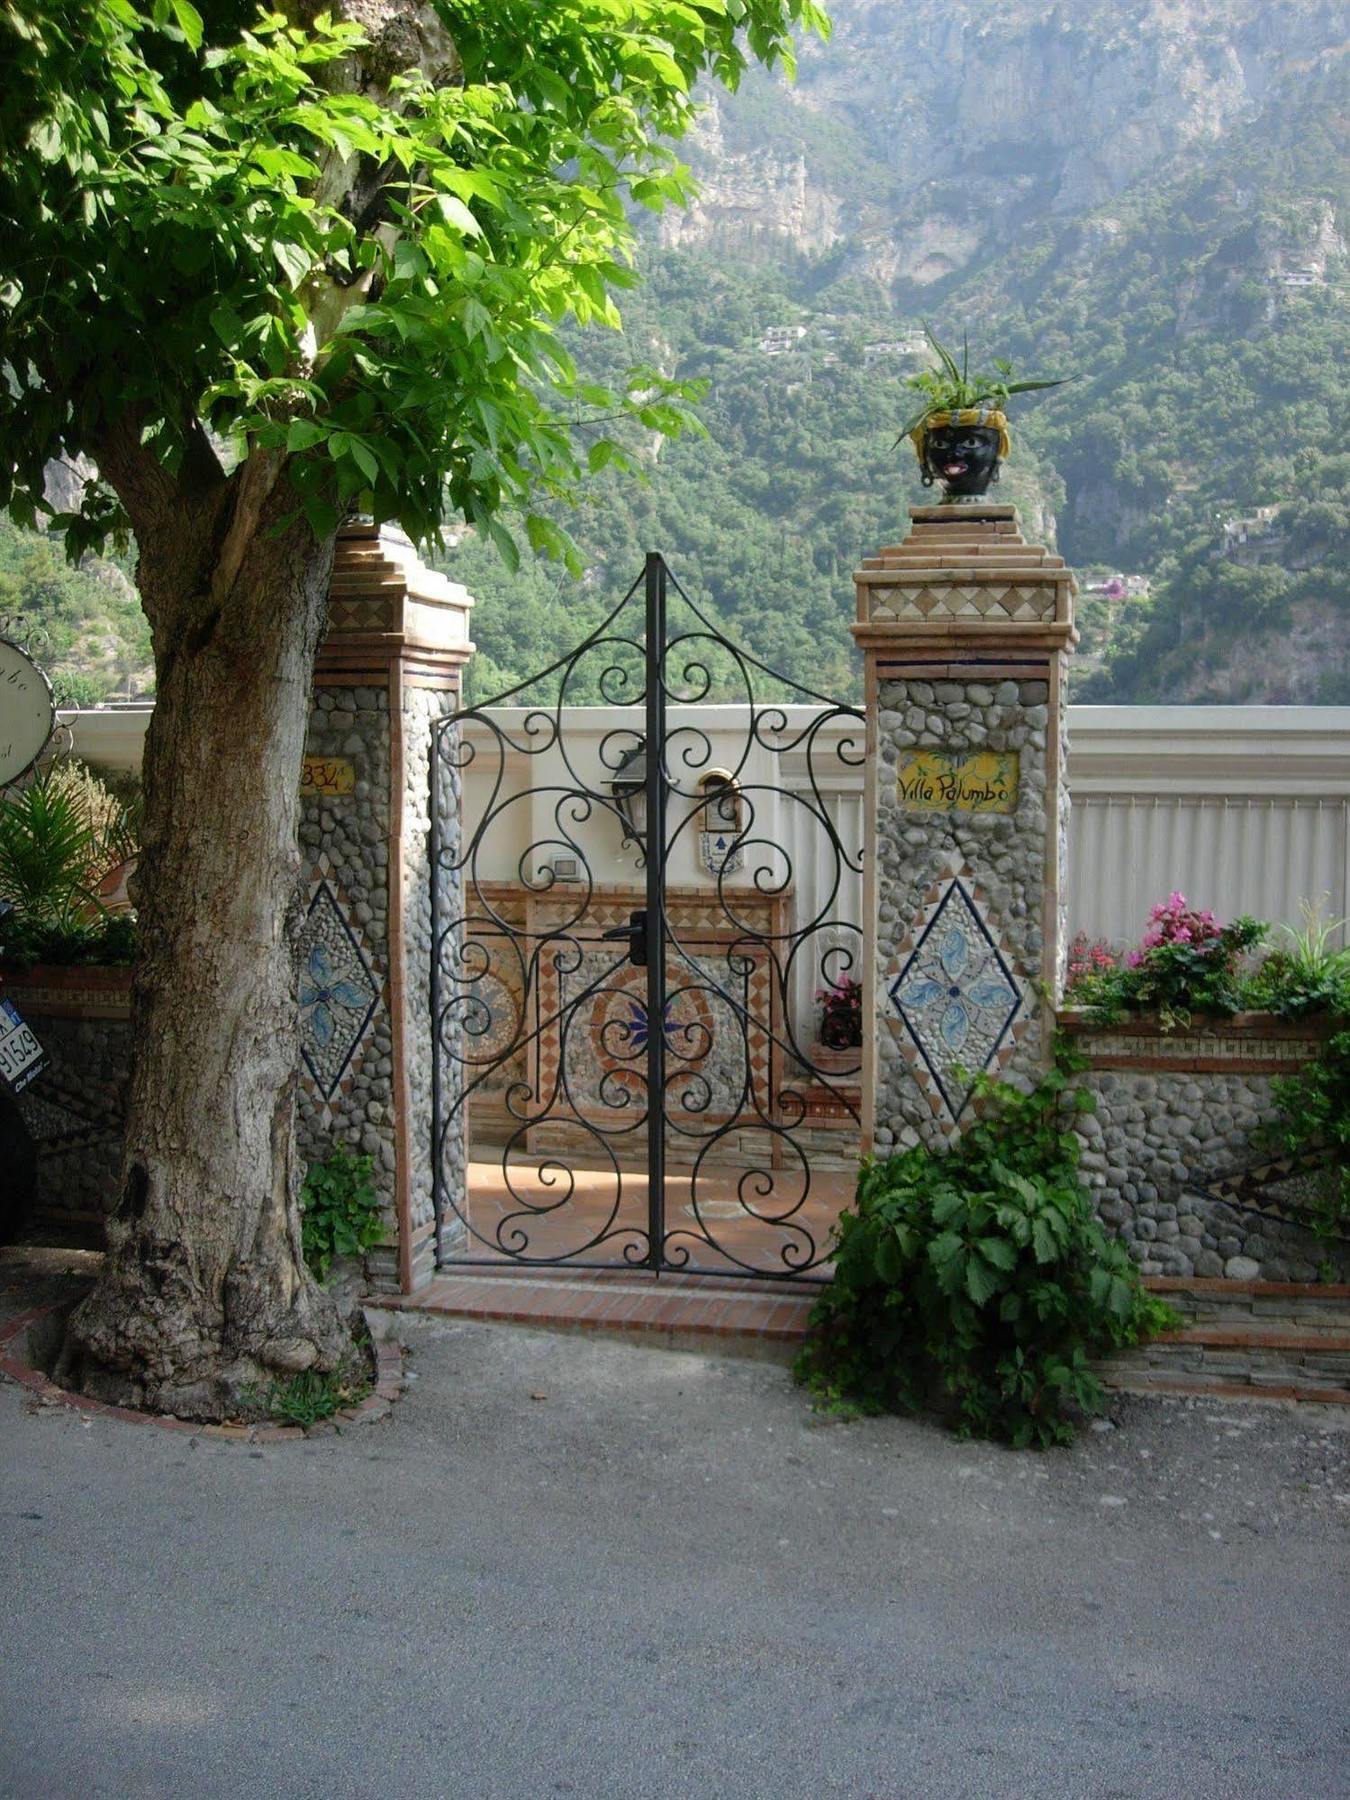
{"x":965,"y":632}
{"x":390,"y":666}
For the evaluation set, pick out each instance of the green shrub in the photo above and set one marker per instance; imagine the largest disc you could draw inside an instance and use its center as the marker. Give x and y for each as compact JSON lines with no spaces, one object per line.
{"x":340,"y":1215}
{"x":1314,"y":1109}
{"x":980,"y":1281}
{"x":1306,"y":973}
{"x":59,"y":837}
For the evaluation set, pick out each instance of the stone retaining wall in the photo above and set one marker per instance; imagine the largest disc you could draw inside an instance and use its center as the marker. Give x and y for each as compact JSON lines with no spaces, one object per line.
{"x":1173,"y":1150}
{"x":73,"y":1111}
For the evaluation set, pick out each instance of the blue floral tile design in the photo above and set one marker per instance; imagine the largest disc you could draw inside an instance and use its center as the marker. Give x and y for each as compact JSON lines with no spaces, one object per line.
{"x":957,"y":997}
{"x":338,"y":991}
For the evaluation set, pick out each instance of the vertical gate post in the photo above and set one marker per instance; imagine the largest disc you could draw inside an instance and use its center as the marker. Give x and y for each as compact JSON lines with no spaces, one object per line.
{"x":654,"y":586}
{"x":966,"y":633}
{"x":390,"y":665}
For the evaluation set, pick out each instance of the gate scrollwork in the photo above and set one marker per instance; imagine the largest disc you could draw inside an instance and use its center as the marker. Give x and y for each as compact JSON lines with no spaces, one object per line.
{"x":638,"y":1053}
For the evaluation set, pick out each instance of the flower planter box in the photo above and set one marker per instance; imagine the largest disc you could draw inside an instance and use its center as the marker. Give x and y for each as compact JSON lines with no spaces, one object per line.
{"x":1247,"y":1043}
{"x":68,"y":991}
{"x":1246,"y":1024}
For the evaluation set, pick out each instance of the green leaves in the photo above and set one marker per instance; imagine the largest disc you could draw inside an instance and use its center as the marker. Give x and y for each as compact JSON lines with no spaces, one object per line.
{"x":201,"y":246}
{"x":339,"y":1213}
{"x":984,"y":1274}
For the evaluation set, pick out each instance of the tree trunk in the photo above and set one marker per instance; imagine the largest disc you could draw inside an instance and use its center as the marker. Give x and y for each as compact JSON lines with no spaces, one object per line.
{"x":205,"y":1291}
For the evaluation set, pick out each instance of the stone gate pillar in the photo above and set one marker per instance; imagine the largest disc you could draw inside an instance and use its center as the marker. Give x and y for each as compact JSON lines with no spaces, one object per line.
{"x":390,"y":666}
{"x":966,"y":633}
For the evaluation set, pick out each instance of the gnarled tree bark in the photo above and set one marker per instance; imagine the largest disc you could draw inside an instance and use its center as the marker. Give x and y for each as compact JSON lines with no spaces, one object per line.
{"x":205,"y":1290}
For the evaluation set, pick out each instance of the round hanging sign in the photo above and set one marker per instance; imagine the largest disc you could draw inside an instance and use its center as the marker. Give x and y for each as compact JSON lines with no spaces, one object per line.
{"x":27,"y":712}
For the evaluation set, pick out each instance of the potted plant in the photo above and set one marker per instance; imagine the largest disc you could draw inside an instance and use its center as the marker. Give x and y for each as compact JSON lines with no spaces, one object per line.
{"x":65,"y":842}
{"x":961,"y":435}
{"x":840,"y":1026}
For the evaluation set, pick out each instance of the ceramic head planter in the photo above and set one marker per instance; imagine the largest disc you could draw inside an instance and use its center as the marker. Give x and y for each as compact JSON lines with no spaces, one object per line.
{"x":962,"y":450}
{"x":961,"y":436}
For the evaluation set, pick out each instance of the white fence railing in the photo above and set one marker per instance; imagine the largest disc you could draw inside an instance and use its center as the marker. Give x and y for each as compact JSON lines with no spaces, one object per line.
{"x":1244,"y":809}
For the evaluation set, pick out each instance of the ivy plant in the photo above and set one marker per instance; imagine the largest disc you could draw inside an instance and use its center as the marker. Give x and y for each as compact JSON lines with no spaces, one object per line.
{"x":339,"y":1213}
{"x":980,"y":1281}
{"x":1314,"y":1120}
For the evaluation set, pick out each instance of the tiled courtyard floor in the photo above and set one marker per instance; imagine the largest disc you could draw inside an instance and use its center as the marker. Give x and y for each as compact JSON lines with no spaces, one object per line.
{"x":759,"y":1222}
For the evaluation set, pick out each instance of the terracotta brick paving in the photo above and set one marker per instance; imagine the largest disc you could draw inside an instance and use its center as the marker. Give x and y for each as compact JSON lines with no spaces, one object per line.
{"x":762,"y":1315}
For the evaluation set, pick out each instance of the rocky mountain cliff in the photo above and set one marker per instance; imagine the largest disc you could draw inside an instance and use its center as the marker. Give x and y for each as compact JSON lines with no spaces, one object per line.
{"x":925,"y":138}
{"x":1149,"y":195}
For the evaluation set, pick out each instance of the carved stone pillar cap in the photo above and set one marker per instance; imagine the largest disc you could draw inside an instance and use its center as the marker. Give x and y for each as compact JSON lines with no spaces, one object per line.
{"x":964,"y":571}
{"x":382,"y":590}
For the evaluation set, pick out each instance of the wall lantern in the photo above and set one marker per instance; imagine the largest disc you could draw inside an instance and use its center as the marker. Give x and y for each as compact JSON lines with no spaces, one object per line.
{"x":629,"y":788}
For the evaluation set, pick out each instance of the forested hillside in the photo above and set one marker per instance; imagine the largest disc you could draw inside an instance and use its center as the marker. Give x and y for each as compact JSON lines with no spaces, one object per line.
{"x":1148,"y":195}
{"x":84,"y":624}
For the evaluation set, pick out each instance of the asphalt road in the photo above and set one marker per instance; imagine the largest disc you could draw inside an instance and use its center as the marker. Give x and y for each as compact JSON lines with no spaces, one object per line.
{"x":570,"y":1567}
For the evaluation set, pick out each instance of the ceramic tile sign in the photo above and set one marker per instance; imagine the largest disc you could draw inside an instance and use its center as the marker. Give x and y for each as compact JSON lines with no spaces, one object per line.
{"x":985,"y":781}
{"x":322,"y":776}
{"x":21,"y":1055}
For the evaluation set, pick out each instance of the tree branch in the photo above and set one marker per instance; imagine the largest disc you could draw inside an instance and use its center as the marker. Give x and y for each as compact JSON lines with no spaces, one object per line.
{"x":133,"y":470}
{"x":253,"y":482}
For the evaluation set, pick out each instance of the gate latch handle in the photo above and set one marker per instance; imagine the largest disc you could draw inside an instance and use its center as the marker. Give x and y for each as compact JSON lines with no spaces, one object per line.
{"x":635,"y":931}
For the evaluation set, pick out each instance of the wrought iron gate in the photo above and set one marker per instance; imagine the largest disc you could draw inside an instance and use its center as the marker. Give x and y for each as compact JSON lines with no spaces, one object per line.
{"x":638,"y":1053}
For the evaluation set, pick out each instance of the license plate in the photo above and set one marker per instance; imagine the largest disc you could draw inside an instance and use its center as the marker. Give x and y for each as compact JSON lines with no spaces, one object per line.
{"x":21,"y":1055}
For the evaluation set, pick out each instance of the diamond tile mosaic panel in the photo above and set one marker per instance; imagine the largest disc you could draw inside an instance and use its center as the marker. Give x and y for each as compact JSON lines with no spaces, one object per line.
{"x":956,"y":996}
{"x":338,"y":991}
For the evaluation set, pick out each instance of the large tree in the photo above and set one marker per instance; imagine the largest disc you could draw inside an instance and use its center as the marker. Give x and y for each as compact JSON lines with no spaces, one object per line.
{"x":264,"y":269}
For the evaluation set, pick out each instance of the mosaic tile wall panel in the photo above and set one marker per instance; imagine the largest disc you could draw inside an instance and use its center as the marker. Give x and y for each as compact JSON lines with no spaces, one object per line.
{"x":923,"y":1030}
{"x":338,"y":990}
{"x":956,"y":997}
{"x":603,"y":1066}
{"x":594,"y":1061}
{"x":497,"y":1022}
{"x":347,"y":1068}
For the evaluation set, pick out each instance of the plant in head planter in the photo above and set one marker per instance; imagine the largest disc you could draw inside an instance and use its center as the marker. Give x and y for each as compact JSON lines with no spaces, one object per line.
{"x":961,"y":435}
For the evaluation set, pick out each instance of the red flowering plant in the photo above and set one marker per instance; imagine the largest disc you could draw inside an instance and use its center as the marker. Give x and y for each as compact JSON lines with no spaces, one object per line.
{"x":1187,"y":963}
{"x":1088,"y":957}
{"x":841,"y":1014}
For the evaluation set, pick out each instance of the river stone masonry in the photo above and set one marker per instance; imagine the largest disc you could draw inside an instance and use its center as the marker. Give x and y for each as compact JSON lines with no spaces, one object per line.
{"x":966,"y":631}
{"x":389,"y":668}
{"x":1172,"y":1150}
